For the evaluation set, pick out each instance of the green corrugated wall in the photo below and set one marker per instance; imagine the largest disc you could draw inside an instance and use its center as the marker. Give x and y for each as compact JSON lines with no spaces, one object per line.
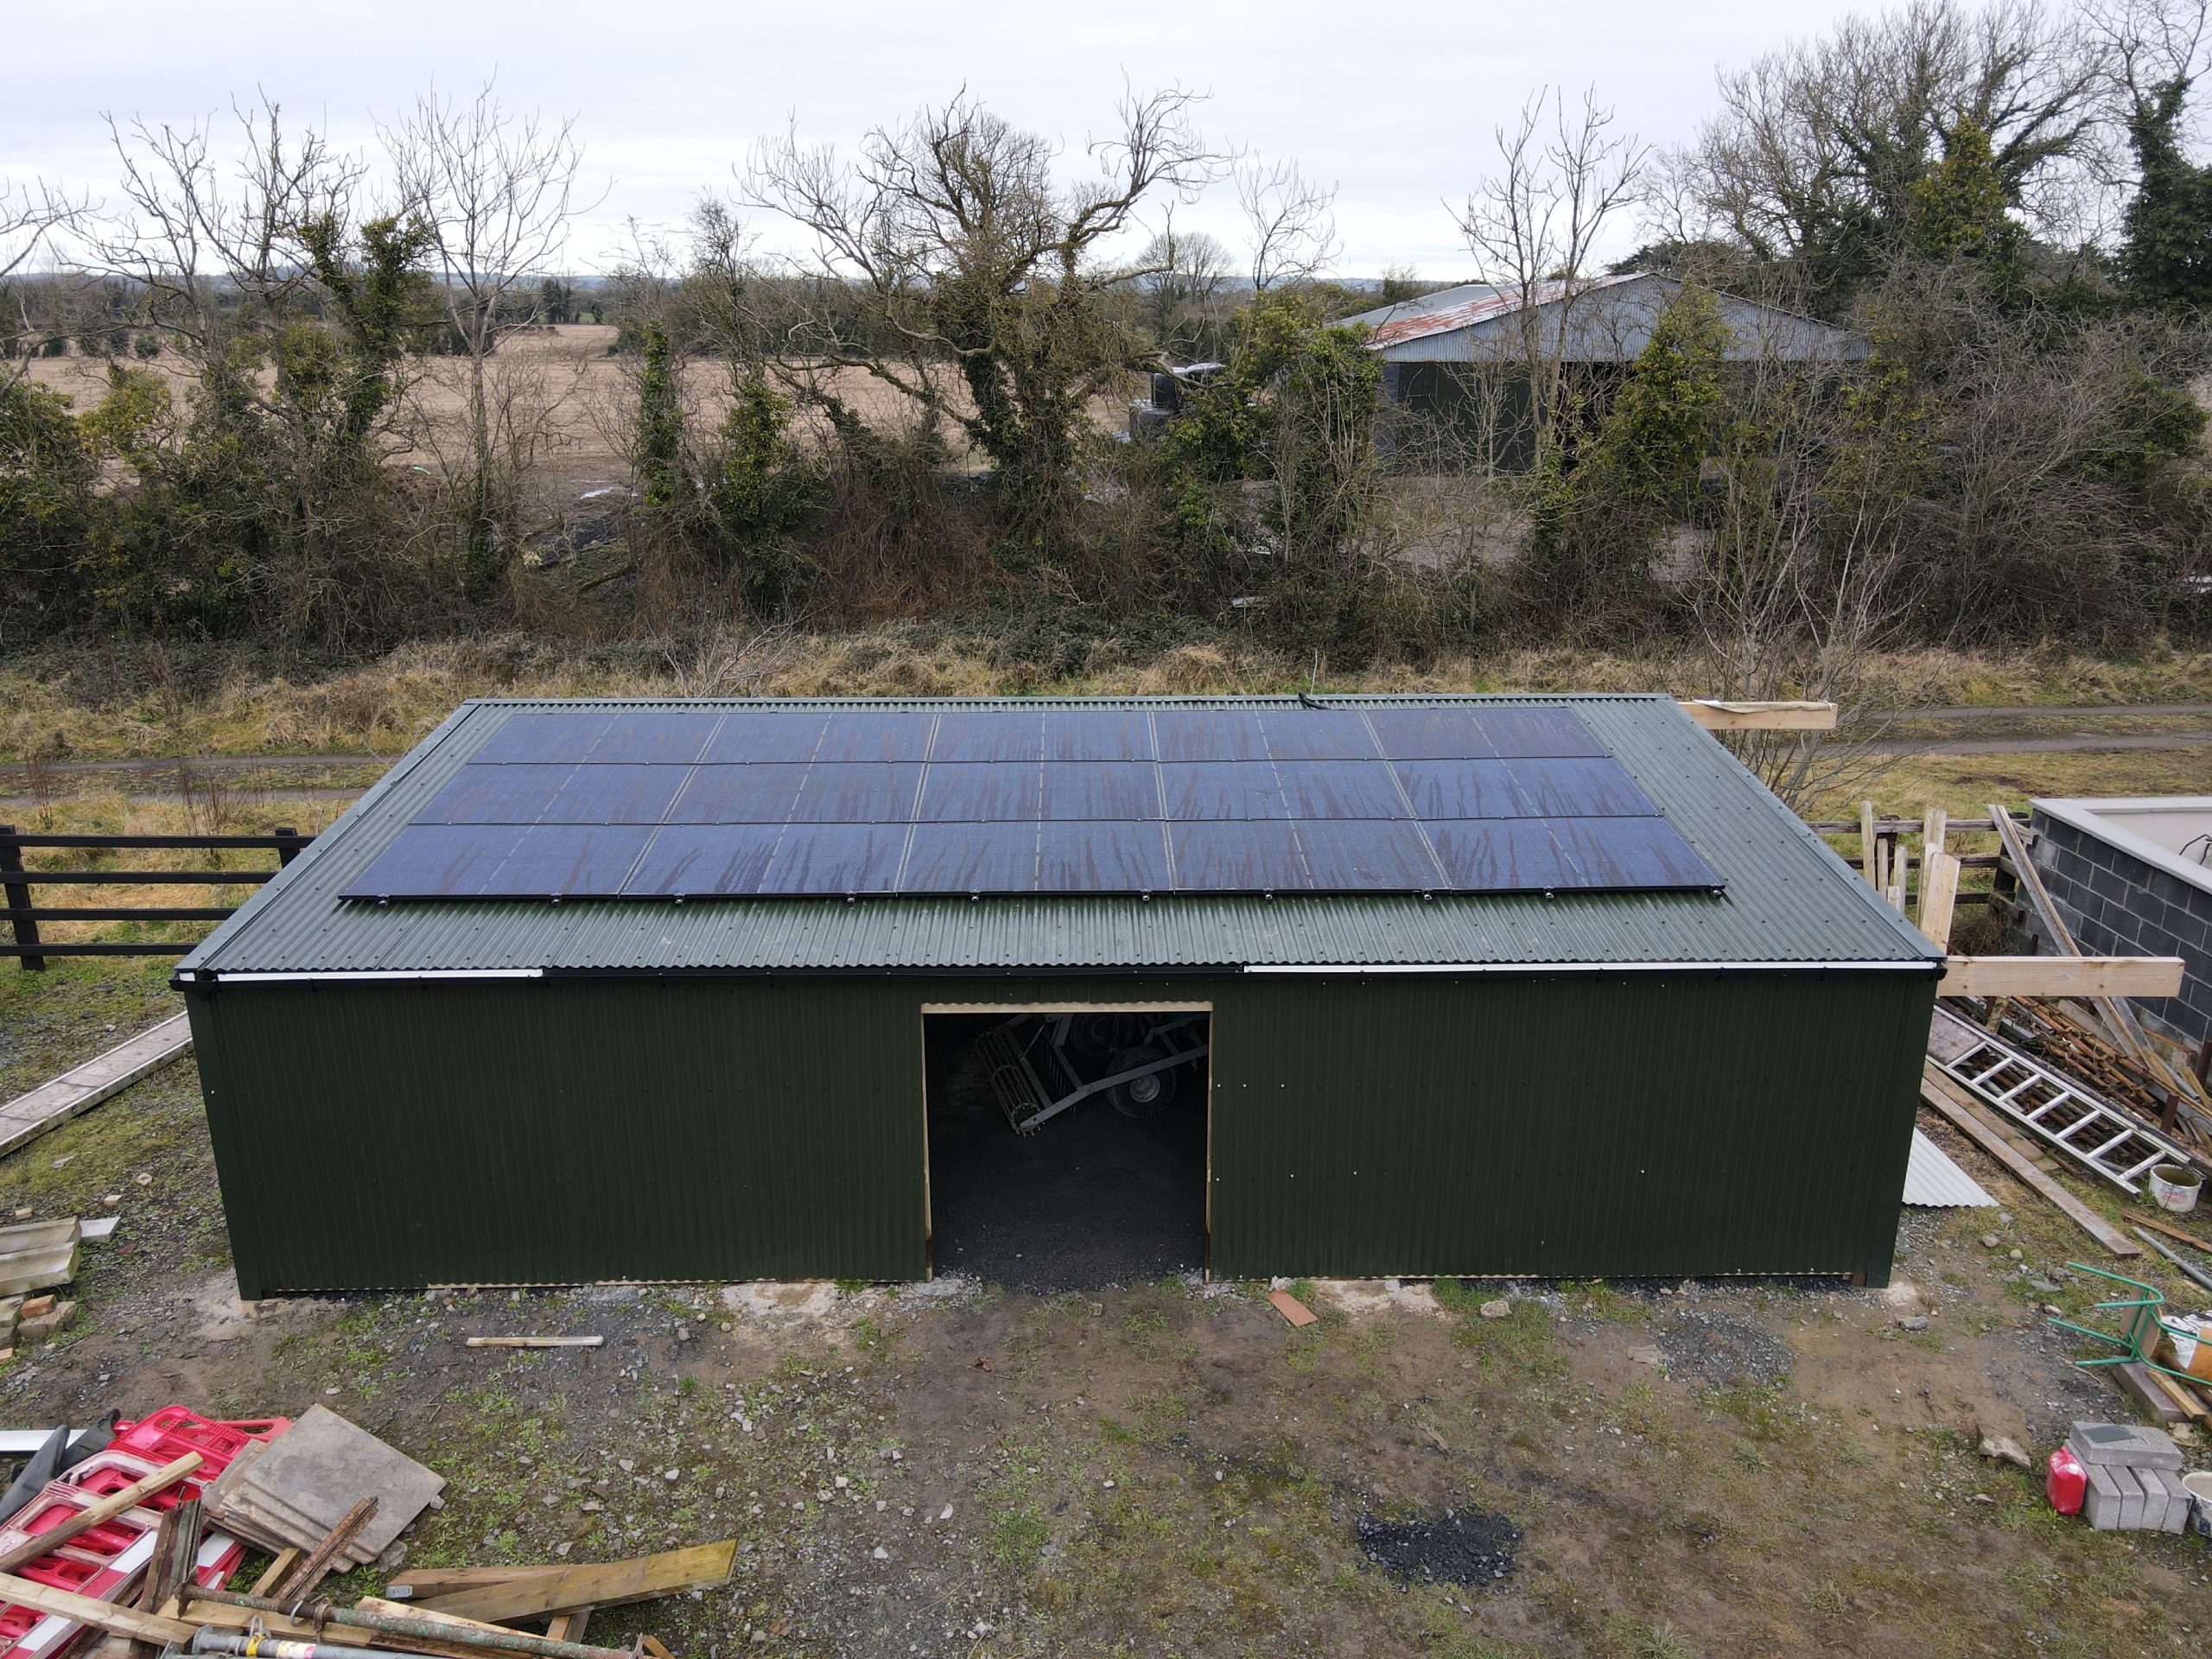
{"x":384,"y":1134}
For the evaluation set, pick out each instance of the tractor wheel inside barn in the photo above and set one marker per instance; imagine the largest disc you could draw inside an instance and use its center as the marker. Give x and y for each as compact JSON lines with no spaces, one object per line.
{"x":1144,"y":1097}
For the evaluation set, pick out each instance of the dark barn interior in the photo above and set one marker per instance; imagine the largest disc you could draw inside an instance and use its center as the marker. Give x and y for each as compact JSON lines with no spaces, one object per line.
{"x":1110,"y":1191}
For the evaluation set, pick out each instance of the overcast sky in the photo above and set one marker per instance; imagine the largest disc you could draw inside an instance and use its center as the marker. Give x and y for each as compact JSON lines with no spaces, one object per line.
{"x":1394,"y":105}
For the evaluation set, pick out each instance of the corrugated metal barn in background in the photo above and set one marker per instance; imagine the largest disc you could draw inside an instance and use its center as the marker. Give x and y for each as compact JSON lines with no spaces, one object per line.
{"x":1591,"y":1085}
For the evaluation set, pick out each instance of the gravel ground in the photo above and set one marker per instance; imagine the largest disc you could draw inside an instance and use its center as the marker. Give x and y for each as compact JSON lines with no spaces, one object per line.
{"x":1462,"y":1546}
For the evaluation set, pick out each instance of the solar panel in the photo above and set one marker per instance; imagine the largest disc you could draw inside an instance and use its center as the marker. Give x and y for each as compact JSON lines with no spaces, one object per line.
{"x":611,"y":794}
{"x":530,"y":737}
{"x":826,"y":802}
{"x":660,"y":739}
{"x":1097,"y":734}
{"x":988,"y":734}
{"x":1005,"y":858}
{"x":827,"y":859}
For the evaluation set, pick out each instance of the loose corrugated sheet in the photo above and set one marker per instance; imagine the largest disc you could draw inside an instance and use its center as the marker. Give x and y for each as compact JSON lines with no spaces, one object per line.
{"x":1932,"y":1181}
{"x":1789,"y":899}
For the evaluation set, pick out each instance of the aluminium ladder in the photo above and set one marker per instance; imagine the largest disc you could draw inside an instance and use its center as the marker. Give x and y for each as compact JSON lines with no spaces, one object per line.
{"x":2056,"y":1108}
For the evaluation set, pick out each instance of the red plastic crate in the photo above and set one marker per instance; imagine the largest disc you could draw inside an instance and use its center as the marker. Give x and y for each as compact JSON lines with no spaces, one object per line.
{"x":102,"y":1562}
{"x":170,"y":1432}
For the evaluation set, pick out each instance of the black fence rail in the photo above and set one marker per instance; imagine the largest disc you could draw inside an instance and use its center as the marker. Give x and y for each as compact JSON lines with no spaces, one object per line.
{"x":16,"y":881}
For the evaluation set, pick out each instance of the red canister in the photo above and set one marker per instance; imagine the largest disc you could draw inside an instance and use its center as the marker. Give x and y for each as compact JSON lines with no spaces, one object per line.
{"x":2067,"y":1483}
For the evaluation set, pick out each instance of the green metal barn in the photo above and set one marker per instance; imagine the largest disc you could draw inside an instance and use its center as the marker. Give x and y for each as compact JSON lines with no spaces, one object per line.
{"x":586,"y":991}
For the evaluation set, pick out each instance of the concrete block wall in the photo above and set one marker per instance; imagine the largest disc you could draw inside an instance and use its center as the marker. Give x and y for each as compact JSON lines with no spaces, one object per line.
{"x":2116,"y":904}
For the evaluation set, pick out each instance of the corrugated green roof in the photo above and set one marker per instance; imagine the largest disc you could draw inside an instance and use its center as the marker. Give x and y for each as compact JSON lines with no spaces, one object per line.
{"x":1789,"y":898}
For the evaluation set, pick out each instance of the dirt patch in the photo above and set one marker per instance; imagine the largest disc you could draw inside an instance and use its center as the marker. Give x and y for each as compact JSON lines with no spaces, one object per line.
{"x":955,"y":1470}
{"x":1461,"y":1545}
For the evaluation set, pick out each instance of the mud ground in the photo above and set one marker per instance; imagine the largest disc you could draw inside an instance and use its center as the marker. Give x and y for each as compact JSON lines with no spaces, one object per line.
{"x":1169,"y":1469}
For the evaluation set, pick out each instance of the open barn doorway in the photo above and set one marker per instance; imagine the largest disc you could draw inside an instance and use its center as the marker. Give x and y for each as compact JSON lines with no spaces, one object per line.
{"x":1067,"y":1145}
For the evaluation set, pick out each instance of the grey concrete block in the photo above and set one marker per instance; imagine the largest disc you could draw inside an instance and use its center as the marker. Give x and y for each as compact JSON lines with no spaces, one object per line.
{"x":2124,"y":1444}
{"x":2178,"y":1499}
{"x":2101,"y":1501}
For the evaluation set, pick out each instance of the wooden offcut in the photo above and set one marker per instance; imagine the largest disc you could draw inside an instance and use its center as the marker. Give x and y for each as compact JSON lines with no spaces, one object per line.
{"x":100,"y":1615}
{"x":419,"y":1584}
{"x":44,"y":1543}
{"x":1939,"y":897}
{"x":1937,"y":1089}
{"x":2173,"y":1232}
{"x":1291,"y":1308}
{"x":608,"y":1584}
{"x":536,"y":1342}
{"x":2090,"y":976}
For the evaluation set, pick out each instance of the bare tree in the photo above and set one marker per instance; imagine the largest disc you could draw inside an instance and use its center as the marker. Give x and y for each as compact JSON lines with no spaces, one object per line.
{"x":1290,"y":220}
{"x":30,"y":215}
{"x":1813,"y":156}
{"x":982,"y":279}
{"x":1564,"y":178}
{"x":1803,"y":574}
{"x":497,"y":189}
{"x":211,"y":238}
{"x":1184,"y":276}
{"x":286,"y":307}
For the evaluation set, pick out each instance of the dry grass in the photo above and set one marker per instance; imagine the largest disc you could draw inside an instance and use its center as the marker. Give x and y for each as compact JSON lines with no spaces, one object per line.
{"x":137,"y":705}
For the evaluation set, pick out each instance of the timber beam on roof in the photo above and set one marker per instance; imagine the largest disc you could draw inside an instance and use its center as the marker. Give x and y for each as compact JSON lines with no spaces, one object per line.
{"x":1716,"y":716}
{"x":2062,"y":977}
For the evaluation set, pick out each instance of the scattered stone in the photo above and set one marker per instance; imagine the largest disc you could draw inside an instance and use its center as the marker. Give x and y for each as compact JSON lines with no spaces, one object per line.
{"x":628,"y":1465}
{"x":562,"y":1549}
{"x":110,"y":1200}
{"x":1918,"y":1322}
{"x":36,"y":1306}
{"x":2003,"y":1448}
{"x":1497,"y":1310}
{"x":672,"y":1474}
{"x":1647,"y":1355}
{"x":1722,"y":1352}
{"x":880,"y":1553}
{"x":1989,"y":1241}
{"x":98,"y":1230}
{"x":143,"y":1179}
{"x":2016,"y":1256}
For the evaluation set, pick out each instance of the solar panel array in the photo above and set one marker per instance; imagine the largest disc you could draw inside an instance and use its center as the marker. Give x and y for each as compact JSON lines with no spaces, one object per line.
{"x":838,"y":801}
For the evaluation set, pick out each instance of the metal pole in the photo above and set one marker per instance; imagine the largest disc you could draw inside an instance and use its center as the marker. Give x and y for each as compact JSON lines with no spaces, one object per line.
{"x":19,"y":896}
{"x":207,"y":1639}
{"x":423,"y":1629}
{"x":2198,"y":1273}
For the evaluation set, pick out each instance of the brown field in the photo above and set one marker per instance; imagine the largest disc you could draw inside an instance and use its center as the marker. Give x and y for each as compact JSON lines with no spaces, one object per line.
{"x":568,"y":373}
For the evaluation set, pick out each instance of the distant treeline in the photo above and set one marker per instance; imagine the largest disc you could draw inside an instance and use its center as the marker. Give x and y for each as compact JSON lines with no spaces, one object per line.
{"x":906,"y":418}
